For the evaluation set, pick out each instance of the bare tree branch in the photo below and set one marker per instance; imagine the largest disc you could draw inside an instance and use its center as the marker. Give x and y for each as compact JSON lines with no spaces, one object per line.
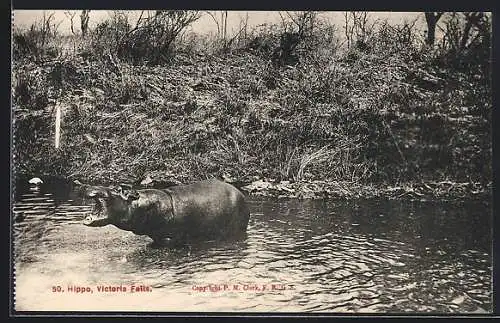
{"x":84,"y":22}
{"x":215,"y":20}
{"x":71,"y":16}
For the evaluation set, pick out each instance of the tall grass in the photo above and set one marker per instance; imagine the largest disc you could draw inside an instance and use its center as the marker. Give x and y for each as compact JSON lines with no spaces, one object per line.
{"x":391,"y":111}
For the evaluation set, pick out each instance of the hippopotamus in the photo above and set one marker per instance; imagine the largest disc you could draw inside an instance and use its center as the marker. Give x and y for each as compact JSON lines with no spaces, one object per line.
{"x":205,"y":210}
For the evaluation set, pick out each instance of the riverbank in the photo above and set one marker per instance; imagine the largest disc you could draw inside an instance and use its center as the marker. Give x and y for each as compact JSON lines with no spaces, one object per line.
{"x":391,"y":119}
{"x":333,"y":190}
{"x":444,"y":190}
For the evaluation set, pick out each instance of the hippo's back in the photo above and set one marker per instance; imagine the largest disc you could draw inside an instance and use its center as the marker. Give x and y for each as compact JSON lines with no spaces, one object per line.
{"x":209,"y":199}
{"x":211,"y":187}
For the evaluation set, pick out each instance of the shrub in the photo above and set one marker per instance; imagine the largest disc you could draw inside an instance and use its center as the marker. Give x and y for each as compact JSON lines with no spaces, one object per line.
{"x":150,"y":41}
{"x":38,"y":43}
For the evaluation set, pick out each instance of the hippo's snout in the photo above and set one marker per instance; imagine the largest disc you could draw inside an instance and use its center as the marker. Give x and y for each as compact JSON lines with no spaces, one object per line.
{"x":102,"y":197}
{"x":93,"y":221}
{"x":98,"y":217}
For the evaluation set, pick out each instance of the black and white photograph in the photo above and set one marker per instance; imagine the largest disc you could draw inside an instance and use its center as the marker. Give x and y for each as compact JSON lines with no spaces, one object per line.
{"x":225,"y":161}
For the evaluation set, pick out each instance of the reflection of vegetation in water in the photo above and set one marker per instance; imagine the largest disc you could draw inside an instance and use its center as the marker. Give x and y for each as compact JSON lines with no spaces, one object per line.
{"x":283,"y":102}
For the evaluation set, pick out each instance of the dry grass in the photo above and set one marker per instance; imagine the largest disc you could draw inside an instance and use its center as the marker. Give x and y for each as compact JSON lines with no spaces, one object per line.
{"x":356,"y":117}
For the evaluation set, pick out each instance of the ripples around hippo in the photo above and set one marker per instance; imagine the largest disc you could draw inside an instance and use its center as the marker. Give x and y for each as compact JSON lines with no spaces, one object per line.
{"x":298,"y":256}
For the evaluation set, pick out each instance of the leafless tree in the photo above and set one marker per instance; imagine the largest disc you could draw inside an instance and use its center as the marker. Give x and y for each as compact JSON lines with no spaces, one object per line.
{"x":224,"y":24}
{"x":221,"y":24}
{"x":357,"y":28}
{"x":84,"y":22}
{"x":432,"y":19}
{"x":216,"y":22}
{"x":464,"y":30}
{"x":301,"y":23}
{"x":477,"y":24}
{"x":48,"y":28}
{"x":298,"y":27}
{"x":242,"y":32}
{"x":244,"y":26}
{"x":240,"y":35}
{"x":398,"y":35}
{"x":157,"y":32}
{"x":222,"y":33}
{"x":71,"y":16}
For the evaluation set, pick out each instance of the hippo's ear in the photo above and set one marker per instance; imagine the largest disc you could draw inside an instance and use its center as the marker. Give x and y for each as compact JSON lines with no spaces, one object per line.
{"x":125,"y":192}
{"x":115,"y":190}
{"x":132,"y":195}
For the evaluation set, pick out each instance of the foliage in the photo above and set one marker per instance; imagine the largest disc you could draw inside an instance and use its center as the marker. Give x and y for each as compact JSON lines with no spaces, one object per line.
{"x":40,"y":42}
{"x":394,"y":111}
{"x":150,"y":41}
{"x":466,"y":44}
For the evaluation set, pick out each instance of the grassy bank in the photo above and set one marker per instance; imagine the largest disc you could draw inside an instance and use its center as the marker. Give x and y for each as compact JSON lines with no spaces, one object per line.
{"x":390,"y":114}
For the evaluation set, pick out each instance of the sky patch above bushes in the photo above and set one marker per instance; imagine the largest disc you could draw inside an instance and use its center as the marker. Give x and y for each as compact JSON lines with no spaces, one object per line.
{"x":206,"y":24}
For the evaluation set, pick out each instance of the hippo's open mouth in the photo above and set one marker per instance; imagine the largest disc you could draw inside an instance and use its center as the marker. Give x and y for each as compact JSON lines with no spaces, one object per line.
{"x":98,"y":217}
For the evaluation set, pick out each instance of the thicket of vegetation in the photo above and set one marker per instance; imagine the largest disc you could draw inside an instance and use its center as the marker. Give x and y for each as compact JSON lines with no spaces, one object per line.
{"x":145,"y":100}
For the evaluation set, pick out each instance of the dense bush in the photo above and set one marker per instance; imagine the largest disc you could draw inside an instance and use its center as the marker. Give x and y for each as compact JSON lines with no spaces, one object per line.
{"x":390,"y":110}
{"x":151,"y":41}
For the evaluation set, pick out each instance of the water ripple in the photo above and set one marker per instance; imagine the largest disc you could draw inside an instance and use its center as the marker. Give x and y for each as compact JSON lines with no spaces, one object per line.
{"x":311,"y":256}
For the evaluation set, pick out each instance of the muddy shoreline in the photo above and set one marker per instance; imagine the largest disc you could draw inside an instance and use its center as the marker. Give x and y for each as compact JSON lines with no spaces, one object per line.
{"x":312,"y":190}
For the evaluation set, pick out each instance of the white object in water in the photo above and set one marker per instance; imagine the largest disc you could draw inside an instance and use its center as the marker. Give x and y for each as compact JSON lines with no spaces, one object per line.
{"x":147,"y":180}
{"x":35,"y":181}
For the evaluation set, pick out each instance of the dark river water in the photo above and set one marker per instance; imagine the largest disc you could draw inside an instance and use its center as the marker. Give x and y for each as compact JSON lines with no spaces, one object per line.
{"x":364,"y":256}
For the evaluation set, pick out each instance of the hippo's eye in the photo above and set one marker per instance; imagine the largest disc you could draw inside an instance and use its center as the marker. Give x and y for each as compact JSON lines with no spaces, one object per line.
{"x":132,"y":195}
{"x":116,"y":190}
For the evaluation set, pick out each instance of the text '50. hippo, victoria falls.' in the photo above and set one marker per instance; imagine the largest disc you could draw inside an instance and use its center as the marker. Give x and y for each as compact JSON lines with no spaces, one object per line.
{"x":86,"y":289}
